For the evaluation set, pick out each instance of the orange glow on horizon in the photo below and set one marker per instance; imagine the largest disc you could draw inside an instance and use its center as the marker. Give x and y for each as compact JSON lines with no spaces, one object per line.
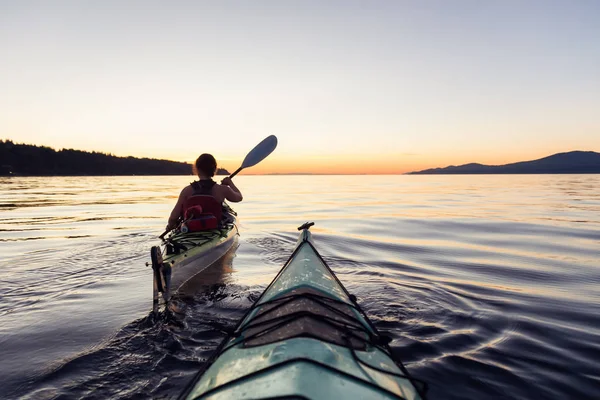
{"x":323,"y":164}
{"x":285,"y":161}
{"x":373,"y":164}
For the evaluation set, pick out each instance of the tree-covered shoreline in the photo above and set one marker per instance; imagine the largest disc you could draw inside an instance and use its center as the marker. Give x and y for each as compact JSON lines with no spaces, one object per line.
{"x":30,"y":160}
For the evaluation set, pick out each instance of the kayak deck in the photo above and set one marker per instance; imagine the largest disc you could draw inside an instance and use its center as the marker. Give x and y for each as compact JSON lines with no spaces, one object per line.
{"x":184,"y":255}
{"x":305,"y":337}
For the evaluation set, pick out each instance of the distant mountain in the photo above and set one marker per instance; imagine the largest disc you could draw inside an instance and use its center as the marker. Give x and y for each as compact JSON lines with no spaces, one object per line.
{"x":574,"y":162}
{"x":30,"y":160}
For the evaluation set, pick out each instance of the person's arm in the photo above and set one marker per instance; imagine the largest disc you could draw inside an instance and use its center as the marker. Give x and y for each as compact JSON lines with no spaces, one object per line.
{"x":232,"y":193}
{"x":177,"y":210}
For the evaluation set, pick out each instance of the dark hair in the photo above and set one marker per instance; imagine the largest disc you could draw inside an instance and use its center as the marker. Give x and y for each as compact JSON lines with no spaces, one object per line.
{"x":205,"y":164}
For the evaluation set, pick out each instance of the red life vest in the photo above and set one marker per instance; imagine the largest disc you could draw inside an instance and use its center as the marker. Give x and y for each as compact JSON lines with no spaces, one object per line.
{"x":201,"y":210}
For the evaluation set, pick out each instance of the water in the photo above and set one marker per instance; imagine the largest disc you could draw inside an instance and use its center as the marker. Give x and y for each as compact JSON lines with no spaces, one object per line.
{"x":488,"y":285}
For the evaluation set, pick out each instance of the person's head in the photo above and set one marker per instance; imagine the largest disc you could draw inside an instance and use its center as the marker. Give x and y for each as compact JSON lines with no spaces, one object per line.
{"x":205,"y":165}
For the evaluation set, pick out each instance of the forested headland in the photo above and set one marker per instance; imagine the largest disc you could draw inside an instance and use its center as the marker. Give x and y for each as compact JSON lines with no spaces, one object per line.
{"x":30,"y":160}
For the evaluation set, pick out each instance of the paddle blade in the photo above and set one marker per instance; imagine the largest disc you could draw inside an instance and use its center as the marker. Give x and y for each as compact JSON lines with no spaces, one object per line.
{"x":260,"y":152}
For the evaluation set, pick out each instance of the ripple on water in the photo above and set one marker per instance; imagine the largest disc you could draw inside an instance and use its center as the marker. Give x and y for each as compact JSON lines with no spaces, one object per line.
{"x":152,"y":358}
{"x":488,"y":286}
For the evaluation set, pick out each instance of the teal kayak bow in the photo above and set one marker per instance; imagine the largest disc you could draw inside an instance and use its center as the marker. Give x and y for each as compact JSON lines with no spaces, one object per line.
{"x":305,"y":338}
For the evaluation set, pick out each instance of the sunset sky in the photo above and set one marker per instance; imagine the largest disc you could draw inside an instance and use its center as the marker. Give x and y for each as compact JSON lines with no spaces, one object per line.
{"x":347,"y":86}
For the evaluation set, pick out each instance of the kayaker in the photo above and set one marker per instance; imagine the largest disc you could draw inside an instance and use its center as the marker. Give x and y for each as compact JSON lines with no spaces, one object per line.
{"x":205,"y":192}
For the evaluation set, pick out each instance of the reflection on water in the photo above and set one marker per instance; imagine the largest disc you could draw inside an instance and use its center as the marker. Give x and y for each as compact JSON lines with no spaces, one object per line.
{"x":488,"y":285}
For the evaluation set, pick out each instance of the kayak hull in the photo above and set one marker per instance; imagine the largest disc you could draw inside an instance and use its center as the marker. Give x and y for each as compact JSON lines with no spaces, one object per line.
{"x":304,"y":337}
{"x":184,"y":255}
{"x":293,"y":368}
{"x":199,"y":257}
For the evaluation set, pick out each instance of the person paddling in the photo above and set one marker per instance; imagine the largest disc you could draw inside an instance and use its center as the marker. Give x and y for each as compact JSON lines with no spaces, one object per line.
{"x":204,"y":196}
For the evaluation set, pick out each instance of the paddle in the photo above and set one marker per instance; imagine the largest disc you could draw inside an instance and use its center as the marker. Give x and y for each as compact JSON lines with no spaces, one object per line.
{"x":256,"y":155}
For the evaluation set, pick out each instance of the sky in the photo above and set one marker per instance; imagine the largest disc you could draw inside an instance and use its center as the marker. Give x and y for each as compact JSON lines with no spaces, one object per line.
{"x":346,"y":86}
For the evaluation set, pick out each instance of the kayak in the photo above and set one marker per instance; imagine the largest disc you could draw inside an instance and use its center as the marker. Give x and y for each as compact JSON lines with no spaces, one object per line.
{"x":185,"y":254}
{"x":305,"y":337}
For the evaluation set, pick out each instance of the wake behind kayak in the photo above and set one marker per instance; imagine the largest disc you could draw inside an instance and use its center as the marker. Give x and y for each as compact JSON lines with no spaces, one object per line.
{"x":305,"y":337}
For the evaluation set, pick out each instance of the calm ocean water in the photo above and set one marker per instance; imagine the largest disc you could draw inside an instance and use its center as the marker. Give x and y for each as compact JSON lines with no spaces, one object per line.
{"x":489,"y":285}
